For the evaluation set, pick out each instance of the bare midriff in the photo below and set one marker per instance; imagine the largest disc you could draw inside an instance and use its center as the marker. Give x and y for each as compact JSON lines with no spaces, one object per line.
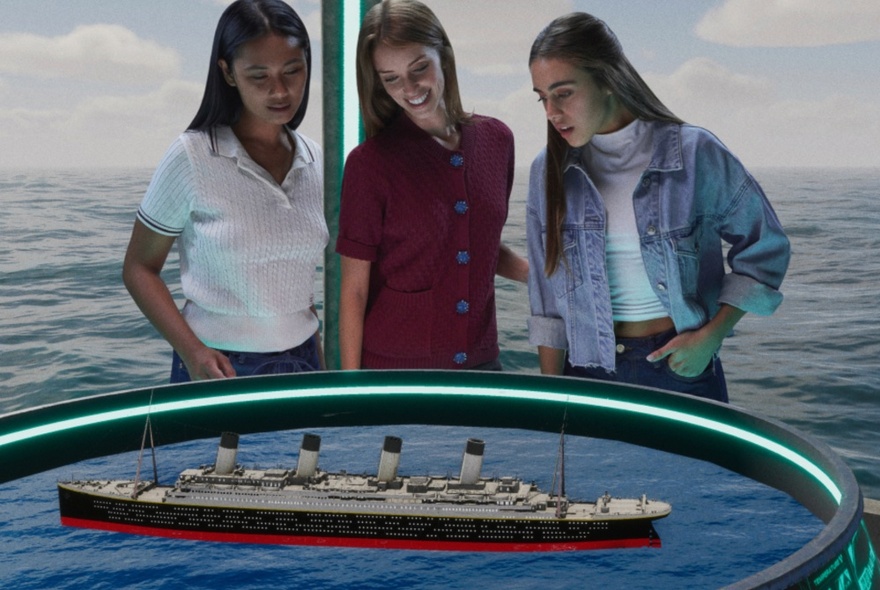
{"x":642,"y":329}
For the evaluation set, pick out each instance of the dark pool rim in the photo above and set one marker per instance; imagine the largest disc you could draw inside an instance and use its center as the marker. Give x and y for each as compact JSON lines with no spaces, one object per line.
{"x":38,"y":439}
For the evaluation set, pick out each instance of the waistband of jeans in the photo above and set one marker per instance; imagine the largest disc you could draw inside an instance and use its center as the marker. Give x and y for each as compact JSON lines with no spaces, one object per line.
{"x":296,"y":350}
{"x":653,"y":341}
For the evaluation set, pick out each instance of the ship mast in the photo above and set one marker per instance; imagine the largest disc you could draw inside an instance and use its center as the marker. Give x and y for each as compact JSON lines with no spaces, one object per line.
{"x":560,"y":462}
{"x":148,"y":427}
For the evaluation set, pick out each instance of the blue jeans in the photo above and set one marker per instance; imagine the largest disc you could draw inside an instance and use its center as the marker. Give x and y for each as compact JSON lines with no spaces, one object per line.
{"x":633,"y":368}
{"x":299,"y":359}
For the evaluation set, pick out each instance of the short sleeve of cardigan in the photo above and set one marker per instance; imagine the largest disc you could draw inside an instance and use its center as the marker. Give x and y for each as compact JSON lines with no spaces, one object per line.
{"x":166,"y":205}
{"x":362,"y":208}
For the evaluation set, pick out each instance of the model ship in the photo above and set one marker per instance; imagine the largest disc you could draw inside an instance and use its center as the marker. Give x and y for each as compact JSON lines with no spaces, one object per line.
{"x":308,"y":506}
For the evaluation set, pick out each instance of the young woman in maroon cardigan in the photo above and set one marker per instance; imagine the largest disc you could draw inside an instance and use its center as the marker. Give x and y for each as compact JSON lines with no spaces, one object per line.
{"x":424,"y":200}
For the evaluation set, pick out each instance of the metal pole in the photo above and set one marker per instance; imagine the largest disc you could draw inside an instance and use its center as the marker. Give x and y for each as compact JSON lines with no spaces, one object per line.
{"x":343,"y":129}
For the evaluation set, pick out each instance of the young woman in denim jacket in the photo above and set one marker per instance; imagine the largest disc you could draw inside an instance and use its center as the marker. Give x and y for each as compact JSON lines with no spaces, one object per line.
{"x":627,"y":211}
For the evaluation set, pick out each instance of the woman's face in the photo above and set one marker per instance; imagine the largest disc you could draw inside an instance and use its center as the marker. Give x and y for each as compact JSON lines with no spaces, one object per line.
{"x":270,"y":73}
{"x":413,"y":77}
{"x":575,"y":105}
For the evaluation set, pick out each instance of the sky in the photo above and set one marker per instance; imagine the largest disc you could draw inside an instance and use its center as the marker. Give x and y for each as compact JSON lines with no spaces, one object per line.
{"x":791,"y":83}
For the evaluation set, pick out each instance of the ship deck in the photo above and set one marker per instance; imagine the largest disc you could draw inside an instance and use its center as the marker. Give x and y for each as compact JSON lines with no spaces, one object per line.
{"x":360,"y":494}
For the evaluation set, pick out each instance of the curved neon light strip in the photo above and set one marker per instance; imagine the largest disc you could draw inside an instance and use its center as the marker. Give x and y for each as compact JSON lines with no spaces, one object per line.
{"x":586,"y":400}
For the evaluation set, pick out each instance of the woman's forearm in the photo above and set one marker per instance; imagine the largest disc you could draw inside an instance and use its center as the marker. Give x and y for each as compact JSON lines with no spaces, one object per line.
{"x":551,"y":360}
{"x":353,"y":293}
{"x":511,"y":265}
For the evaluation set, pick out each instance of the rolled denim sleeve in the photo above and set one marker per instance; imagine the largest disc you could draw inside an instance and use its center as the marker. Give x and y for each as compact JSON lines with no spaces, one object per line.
{"x":546,"y":327}
{"x":759,"y":252}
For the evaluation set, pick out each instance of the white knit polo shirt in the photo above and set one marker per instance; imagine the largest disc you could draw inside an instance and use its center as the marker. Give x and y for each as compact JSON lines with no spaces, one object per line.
{"x":248,"y":247}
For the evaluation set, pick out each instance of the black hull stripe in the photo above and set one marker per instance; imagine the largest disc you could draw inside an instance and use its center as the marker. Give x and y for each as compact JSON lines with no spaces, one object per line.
{"x":306,"y":527}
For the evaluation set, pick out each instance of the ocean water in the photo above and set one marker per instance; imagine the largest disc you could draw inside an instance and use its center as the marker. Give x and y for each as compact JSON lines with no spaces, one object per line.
{"x":68,"y":329}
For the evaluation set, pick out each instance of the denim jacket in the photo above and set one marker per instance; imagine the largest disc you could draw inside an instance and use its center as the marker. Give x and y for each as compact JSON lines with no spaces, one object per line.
{"x":693,"y":196}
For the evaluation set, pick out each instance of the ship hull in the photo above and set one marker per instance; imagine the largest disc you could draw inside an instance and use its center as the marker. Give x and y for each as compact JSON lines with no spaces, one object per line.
{"x":350,"y":528}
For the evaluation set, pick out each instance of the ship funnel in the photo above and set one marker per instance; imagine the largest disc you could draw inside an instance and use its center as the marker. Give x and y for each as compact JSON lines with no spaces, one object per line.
{"x":307,"y":464}
{"x":226,"y":453}
{"x":390,"y":459}
{"x":472,"y":461}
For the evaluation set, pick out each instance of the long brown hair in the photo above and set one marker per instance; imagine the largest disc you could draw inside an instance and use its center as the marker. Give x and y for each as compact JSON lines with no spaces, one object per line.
{"x":587,"y":43}
{"x":395,"y":23}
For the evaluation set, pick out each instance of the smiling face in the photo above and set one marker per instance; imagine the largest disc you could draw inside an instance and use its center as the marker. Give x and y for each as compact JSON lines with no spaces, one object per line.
{"x":574,"y":103}
{"x":270,"y":74}
{"x":413,"y":77}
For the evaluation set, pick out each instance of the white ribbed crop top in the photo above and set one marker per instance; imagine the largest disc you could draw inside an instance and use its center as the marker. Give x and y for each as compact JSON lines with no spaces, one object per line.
{"x":615,"y":162}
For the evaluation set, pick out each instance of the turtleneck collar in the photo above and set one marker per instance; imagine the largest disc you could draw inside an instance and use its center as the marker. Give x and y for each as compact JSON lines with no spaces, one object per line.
{"x":620,"y":149}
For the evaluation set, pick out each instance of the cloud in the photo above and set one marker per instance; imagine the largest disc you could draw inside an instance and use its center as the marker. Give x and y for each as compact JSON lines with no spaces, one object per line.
{"x":174,"y":102}
{"x":846,"y":130}
{"x":494,"y":37}
{"x":492,"y":40}
{"x":787,"y":23}
{"x":312,"y":21}
{"x":297,"y":4}
{"x":98,"y":52}
{"x":112,"y":131}
{"x":521,"y":112}
{"x":525,"y":116}
{"x":100,"y":131}
{"x":765,"y":129}
{"x":700,"y":88}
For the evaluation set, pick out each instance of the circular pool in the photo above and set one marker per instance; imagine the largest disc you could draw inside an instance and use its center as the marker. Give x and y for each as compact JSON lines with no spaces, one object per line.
{"x":840,"y":556}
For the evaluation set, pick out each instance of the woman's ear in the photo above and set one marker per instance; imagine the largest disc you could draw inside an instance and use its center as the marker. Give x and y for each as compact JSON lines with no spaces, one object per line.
{"x":227,"y":73}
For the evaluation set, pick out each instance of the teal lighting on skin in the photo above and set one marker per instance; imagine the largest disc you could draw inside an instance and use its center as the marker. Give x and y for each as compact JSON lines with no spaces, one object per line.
{"x":410,"y":390}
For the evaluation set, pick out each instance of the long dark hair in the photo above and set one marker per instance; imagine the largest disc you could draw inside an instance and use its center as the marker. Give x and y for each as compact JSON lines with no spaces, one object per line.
{"x":400,"y":22}
{"x":586,"y":42}
{"x":243,"y":21}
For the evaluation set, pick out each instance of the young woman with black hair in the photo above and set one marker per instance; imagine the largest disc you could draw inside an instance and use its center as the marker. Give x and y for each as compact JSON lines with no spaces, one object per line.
{"x":241,"y":191}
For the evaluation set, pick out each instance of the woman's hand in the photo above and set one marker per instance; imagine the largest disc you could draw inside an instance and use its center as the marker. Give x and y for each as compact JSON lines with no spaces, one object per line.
{"x":207,"y":363}
{"x":689,"y":353}
{"x":141,"y":273}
